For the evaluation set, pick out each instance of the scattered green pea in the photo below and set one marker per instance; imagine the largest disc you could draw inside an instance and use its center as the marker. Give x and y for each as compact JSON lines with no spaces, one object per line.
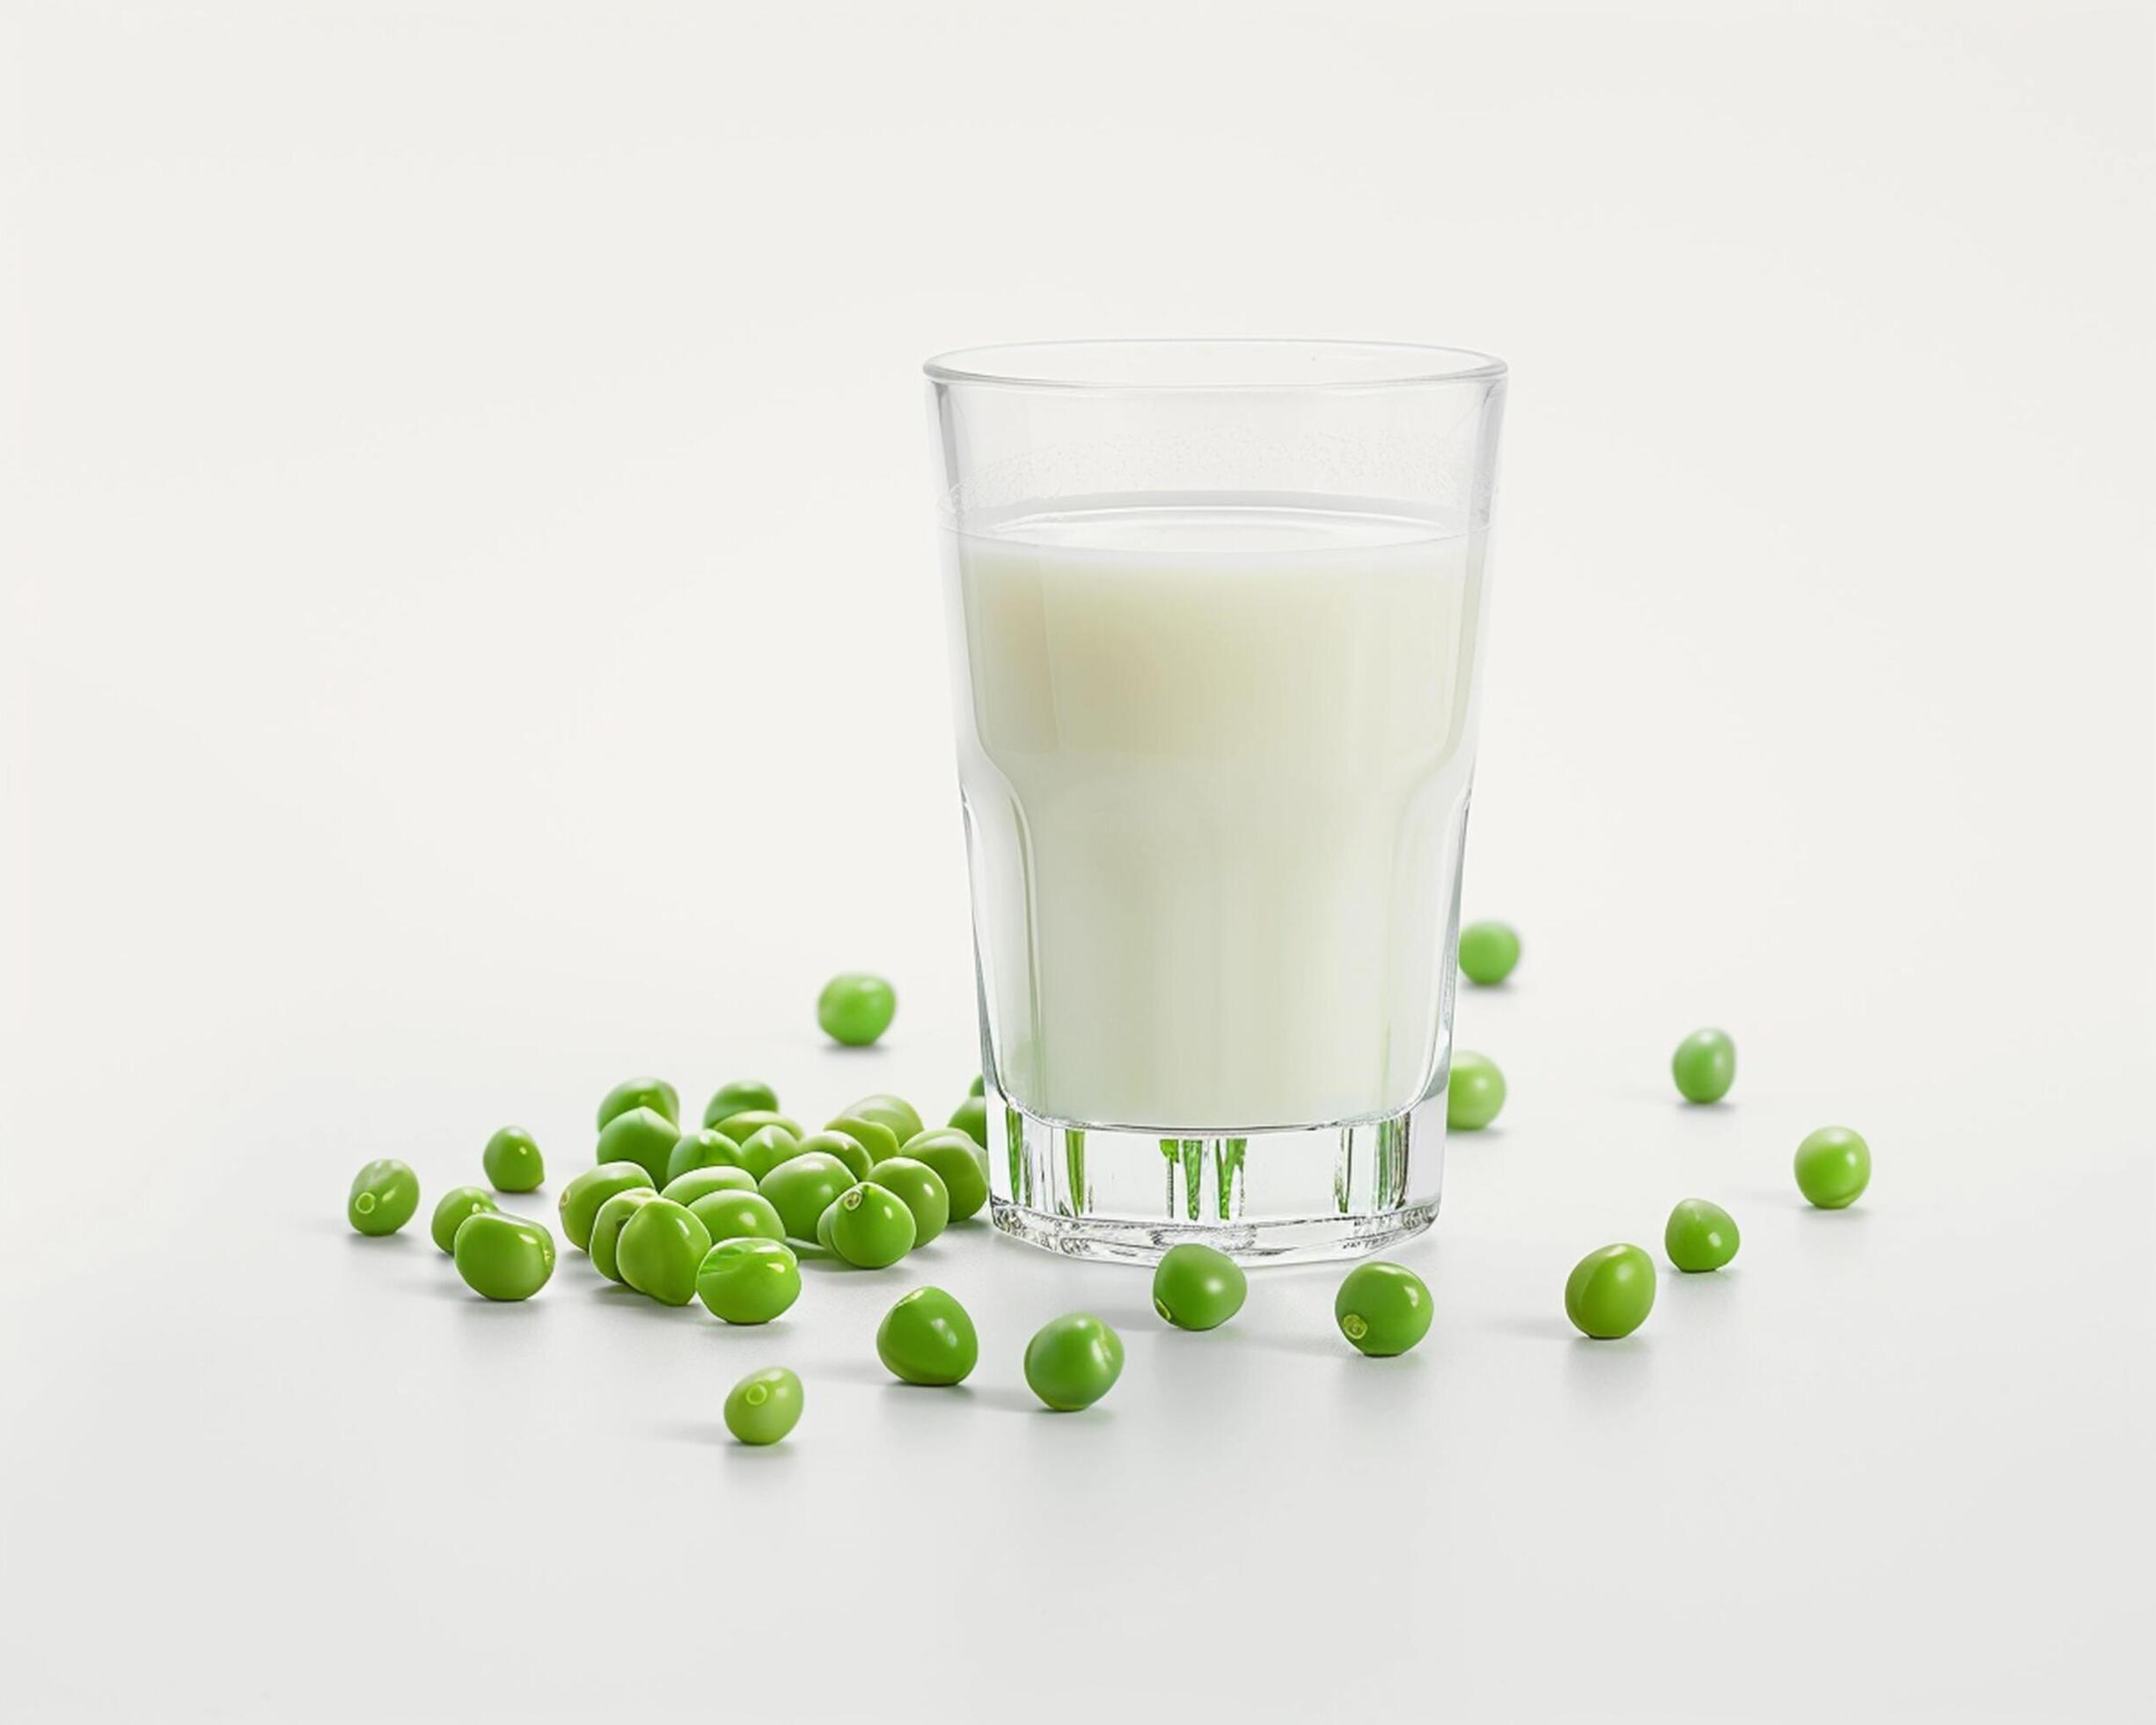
{"x":660,"y":1250}
{"x":1384,"y":1308}
{"x":512,"y":1160}
{"x":384,"y":1194}
{"x":1195,"y":1288}
{"x":742,"y":1127}
{"x":921,"y":1190}
{"x":764,"y":1406}
{"x":644,"y":1136}
{"x":737,"y":1215}
{"x":766,"y":1147}
{"x":961,"y":1162}
{"x":803,"y":1187}
{"x":1476,"y":1094}
{"x":652,"y":1093}
{"x":1834,"y":1165}
{"x":1610,"y":1292}
{"x":581,"y":1199}
{"x":457,"y":1203}
{"x":894,"y":1112}
{"x":970,"y":1116}
{"x":740,"y":1098}
{"x":856,"y":1009}
{"x":701,"y":1182}
{"x":878,"y":1139}
{"x":1700,"y":1235}
{"x":1488,"y":950}
{"x":504,"y":1257}
{"x":981,"y":1086}
{"x":928,"y":1338}
{"x":1072,"y":1361}
{"x":606,"y":1228}
{"x":848,"y":1149}
{"x":705,"y":1148}
{"x":1705,"y":1066}
{"x":872,"y":1228}
{"x":749,"y":1279}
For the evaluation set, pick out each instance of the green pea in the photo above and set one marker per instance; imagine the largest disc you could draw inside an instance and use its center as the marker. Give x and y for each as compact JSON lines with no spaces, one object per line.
{"x":581,"y":1199}
{"x":981,"y":1086}
{"x":384,"y":1194}
{"x":872,"y":1228}
{"x":878,"y":1139}
{"x":856,"y":1009}
{"x":737,"y":1215}
{"x":970,"y":1116}
{"x":803,"y":1187}
{"x":504,"y":1257}
{"x":1476,"y":1094}
{"x":1072,"y":1361}
{"x":1384,"y":1308}
{"x":764,"y":1406}
{"x":847,"y":1148}
{"x":660,"y":1249}
{"x":606,"y":1228}
{"x":766,"y":1147}
{"x":1700,"y":1235}
{"x":1195,"y":1288}
{"x":702,"y":1182}
{"x":512,"y":1160}
{"x":894,"y":1112}
{"x":1705,"y":1066}
{"x":1610,"y":1292}
{"x":706,"y":1148}
{"x":644,"y":1136}
{"x":739,"y":1097}
{"x":749,"y":1279}
{"x":962,"y":1163}
{"x":457,"y":1203}
{"x":928,"y":1338}
{"x":921,"y":1190}
{"x":652,"y":1093}
{"x":1834,"y":1165}
{"x":745,"y":1124}
{"x":1488,"y":950}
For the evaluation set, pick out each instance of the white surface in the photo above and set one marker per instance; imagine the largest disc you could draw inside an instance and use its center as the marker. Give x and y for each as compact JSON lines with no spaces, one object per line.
{"x":472,"y":633}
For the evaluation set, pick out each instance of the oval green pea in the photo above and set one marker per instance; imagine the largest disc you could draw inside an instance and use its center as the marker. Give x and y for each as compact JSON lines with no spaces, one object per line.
{"x":702,"y":1182}
{"x":457,"y":1203}
{"x":1705,"y":1066}
{"x":660,"y":1250}
{"x":737,"y":1215}
{"x":705,"y":1148}
{"x":1196,"y":1287}
{"x":504,"y":1257}
{"x":652,"y":1093}
{"x":1488,"y":951}
{"x":1833,"y":1167}
{"x":745,"y":1124}
{"x":748,"y":1280}
{"x":1072,"y":1361}
{"x":1475,"y":1095}
{"x":644,"y":1136}
{"x":856,"y":1009}
{"x":1700,"y":1236}
{"x":847,"y":1148}
{"x":764,"y":1406}
{"x":871,"y":1227}
{"x":962,"y":1164}
{"x":878,"y":1139}
{"x":970,"y":1116}
{"x":606,"y":1228}
{"x":893,"y":1111}
{"x":1610,"y":1292}
{"x":766,"y":1147}
{"x":385,"y":1196}
{"x":928,"y":1338}
{"x":513,"y":1162}
{"x":1384,"y":1308}
{"x":803,"y":1187}
{"x":581,"y":1198}
{"x":739,"y":1097}
{"x":921,"y":1190}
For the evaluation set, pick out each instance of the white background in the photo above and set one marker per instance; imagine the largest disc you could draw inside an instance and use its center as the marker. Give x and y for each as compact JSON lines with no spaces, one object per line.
{"x":471,"y":633}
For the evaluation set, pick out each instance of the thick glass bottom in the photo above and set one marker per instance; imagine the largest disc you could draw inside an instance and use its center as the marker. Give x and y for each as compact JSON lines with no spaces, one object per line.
{"x":1279,"y":1197}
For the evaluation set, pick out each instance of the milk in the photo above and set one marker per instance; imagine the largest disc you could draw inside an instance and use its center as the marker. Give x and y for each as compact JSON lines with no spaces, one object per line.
{"x":1214,"y":762}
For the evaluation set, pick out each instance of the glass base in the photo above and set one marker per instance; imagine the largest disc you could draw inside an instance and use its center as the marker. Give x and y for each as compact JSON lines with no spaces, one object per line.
{"x":1281,"y":1197}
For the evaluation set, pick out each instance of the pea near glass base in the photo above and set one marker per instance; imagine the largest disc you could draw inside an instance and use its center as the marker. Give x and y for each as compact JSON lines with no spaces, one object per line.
{"x":1280,"y":1197}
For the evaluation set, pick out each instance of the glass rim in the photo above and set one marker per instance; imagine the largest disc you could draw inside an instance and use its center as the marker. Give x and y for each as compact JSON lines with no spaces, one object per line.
{"x":1210,"y":365}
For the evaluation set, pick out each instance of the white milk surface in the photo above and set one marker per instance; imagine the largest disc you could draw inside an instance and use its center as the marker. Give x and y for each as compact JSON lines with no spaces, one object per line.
{"x":1215,"y":764}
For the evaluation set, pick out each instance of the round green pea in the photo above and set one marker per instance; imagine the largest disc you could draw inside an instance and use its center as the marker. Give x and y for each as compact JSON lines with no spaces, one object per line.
{"x":856,"y":1009}
{"x":894,"y":1112}
{"x":1700,"y":1235}
{"x":1072,"y":1361}
{"x":928,"y":1338}
{"x":659,"y":1250}
{"x":961,"y":1162}
{"x":749,"y":1279}
{"x":644,"y":1136}
{"x":652,"y":1093}
{"x":702,"y":1182}
{"x":1384,"y":1308}
{"x":766,"y":1147}
{"x":1610,"y":1292}
{"x":803,"y":1187}
{"x":606,"y":1228}
{"x":921,"y":1190}
{"x":1195,"y":1288}
{"x":504,"y":1257}
{"x":739,"y":1097}
{"x":1834,"y":1165}
{"x":1488,"y":950}
{"x":970,"y":1116}
{"x":512,"y":1160}
{"x":872,"y":1229}
{"x":737,"y":1215}
{"x":385,"y":1196}
{"x":457,"y":1203}
{"x":1475,"y":1095}
{"x":581,"y":1199}
{"x":764,"y":1406}
{"x":1705,"y":1066}
{"x":705,"y":1148}
{"x":878,"y":1139}
{"x":742,"y":1127}
{"x":847,"y":1148}
{"x":981,"y":1086}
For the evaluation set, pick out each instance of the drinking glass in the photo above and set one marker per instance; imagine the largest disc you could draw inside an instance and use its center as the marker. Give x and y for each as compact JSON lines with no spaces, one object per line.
{"x":1216,"y":608}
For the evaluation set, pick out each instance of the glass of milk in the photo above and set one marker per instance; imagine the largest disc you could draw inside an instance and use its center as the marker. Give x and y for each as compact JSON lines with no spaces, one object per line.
{"x":1216,"y":610}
